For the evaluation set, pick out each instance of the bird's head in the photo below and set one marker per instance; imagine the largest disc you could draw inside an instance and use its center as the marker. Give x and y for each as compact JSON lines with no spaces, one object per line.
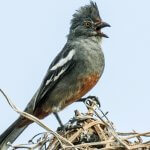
{"x":87,"y":22}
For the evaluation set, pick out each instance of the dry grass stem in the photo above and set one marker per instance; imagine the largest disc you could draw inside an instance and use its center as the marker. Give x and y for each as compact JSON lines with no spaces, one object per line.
{"x":85,"y":131}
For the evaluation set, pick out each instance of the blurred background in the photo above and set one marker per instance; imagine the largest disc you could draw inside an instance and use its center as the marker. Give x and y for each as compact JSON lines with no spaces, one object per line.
{"x":33,"y":32}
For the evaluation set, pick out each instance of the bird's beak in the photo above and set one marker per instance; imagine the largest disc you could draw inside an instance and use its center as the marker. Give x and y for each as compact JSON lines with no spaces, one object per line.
{"x":104,"y":24}
{"x":99,"y":26}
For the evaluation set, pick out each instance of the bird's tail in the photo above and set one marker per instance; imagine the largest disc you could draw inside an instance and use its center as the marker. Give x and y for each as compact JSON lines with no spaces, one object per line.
{"x":10,"y":135}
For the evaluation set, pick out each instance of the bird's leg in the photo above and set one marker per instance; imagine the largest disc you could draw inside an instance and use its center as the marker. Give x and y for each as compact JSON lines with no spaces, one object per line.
{"x":67,"y":126}
{"x":94,"y":98}
{"x":58,"y":119}
{"x":63,"y":127}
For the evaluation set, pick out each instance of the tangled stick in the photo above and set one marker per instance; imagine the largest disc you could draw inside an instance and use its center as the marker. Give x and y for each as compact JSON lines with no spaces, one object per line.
{"x":89,"y":131}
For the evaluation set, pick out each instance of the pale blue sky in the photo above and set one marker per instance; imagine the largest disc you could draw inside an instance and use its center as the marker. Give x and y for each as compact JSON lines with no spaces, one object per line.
{"x":32,"y":32}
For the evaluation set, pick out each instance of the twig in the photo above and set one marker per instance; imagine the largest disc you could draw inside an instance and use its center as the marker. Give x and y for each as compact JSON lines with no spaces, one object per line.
{"x":33,"y":118}
{"x":110,"y":127}
{"x":86,"y":131}
{"x":135,"y":135}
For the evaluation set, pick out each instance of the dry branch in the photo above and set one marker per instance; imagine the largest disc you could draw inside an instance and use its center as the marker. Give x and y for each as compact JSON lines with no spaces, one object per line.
{"x":89,"y":131}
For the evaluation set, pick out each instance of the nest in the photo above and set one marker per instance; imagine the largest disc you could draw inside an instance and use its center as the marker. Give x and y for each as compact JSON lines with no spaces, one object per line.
{"x":88,"y":131}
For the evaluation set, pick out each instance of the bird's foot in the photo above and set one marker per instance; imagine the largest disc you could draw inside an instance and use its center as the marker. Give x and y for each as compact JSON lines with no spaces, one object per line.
{"x":92,"y":98}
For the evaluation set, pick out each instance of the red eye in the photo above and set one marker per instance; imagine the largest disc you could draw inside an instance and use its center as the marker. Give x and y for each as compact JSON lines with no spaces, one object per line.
{"x":87,"y":24}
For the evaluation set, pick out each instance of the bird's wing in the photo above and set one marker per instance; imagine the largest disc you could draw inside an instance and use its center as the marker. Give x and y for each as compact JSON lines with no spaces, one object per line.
{"x":62,"y":64}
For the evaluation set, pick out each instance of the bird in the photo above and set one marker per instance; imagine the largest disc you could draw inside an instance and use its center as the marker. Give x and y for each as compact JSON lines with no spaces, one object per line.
{"x":74,"y":71}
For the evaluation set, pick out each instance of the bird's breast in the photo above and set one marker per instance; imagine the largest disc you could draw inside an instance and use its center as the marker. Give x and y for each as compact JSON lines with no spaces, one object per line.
{"x":89,"y":57}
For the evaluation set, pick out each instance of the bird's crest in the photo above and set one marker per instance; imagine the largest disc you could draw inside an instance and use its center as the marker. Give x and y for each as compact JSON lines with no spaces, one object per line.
{"x":88,"y":11}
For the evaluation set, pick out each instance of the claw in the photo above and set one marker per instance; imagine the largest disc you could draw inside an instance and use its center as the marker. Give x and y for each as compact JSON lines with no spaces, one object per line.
{"x":93,"y":98}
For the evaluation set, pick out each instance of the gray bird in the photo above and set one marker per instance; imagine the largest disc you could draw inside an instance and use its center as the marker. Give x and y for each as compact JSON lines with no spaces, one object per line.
{"x":74,"y":71}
